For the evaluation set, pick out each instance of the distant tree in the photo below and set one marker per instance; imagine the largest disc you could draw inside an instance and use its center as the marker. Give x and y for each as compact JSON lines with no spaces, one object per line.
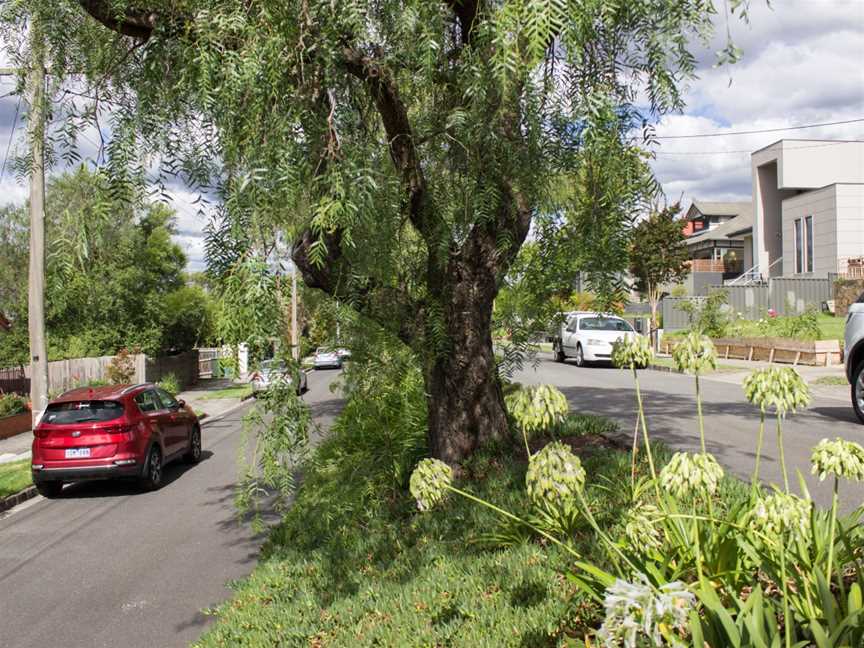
{"x":658,"y":255}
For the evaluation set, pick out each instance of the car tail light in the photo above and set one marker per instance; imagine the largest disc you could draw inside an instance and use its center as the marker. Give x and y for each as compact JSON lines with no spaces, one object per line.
{"x":127,"y":430}
{"x":256,"y":376}
{"x":40,"y":433}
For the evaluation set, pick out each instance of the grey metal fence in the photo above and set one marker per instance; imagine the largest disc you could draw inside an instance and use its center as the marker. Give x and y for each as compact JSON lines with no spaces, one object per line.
{"x":786,"y":295}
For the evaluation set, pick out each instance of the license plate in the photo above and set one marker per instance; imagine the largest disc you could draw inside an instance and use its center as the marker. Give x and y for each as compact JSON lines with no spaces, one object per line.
{"x":77,"y":453}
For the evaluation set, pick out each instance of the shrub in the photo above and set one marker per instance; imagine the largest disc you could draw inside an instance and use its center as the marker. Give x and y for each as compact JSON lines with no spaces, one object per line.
{"x":170,"y":384}
{"x":121,"y":370}
{"x":11,"y":404}
{"x":709,"y":316}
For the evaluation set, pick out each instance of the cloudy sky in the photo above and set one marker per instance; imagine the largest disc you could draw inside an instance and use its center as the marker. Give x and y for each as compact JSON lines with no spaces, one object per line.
{"x":803,"y":64}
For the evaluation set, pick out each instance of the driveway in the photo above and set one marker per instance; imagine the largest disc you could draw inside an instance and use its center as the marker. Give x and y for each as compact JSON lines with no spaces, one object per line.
{"x":731,"y":423}
{"x":106,"y":565}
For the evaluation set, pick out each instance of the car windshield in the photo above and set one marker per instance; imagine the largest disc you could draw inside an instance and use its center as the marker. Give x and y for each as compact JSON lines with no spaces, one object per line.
{"x":273,"y":365}
{"x":322,"y":351}
{"x":603,"y":324}
{"x":74,"y":412}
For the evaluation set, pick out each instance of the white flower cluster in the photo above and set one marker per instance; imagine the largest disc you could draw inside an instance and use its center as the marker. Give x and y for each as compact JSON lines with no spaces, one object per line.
{"x":782,"y":388}
{"x":688,"y":473}
{"x":840,"y":458}
{"x":429,"y":483}
{"x":537,"y":408}
{"x":632,"y":352}
{"x":554,"y":476}
{"x":637,"y":609}
{"x":695,"y":354}
{"x":781,"y":514}
{"x":640,"y":528}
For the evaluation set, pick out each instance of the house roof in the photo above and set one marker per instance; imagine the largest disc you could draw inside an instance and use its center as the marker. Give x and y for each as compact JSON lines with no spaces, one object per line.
{"x":701,"y":208}
{"x":732,"y":228}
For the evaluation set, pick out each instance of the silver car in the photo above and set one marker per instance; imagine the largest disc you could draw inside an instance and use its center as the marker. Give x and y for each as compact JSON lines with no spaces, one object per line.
{"x":272,"y":371}
{"x":327,"y":359}
{"x":855,"y":354}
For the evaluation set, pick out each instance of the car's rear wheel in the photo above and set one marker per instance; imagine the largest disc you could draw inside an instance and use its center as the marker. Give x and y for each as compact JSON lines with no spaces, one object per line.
{"x":193,"y":455}
{"x":151,"y":479}
{"x":559,"y":352}
{"x":858,"y":390}
{"x":49,"y":489}
{"x":580,"y":356}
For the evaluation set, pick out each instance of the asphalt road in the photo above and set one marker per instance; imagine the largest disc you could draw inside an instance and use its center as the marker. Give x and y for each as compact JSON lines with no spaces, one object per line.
{"x":106,"y":565}
{"x":731,"y":423}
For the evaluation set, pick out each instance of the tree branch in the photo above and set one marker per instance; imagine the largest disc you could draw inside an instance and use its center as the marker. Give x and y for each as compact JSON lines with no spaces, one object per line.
{"x":137,"y":23}
{"x":394,"y":115}
{"x":466,"y":13}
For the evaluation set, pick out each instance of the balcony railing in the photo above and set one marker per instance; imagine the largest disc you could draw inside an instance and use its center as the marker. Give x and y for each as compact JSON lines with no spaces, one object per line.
{"x":715,"y":265}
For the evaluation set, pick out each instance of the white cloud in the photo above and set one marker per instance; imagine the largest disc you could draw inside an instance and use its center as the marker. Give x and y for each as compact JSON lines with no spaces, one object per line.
{"x":803,"y":64}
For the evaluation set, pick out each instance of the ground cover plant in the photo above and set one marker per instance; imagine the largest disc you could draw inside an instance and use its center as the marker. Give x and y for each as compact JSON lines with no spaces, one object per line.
{"x":11,"y":404}
{"x":691,"y":566}
{"x":14,"y":477}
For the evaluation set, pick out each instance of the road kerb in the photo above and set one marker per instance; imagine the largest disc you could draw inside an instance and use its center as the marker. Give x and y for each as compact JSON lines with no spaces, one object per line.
{"x":14,"y":500}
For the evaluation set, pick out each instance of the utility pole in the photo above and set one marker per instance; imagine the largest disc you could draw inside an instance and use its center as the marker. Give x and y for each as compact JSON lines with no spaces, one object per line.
{"x":36,"y":283}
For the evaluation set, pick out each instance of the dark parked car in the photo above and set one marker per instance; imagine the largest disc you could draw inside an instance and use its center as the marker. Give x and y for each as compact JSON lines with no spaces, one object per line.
{"x":128,"y":431}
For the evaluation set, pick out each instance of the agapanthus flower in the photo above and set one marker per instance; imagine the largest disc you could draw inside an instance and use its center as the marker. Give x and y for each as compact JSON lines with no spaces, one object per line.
{"x":641,"y":528}
{"x":840,"y":458}
{"x":781,"y":513}
{"x":537,"y":408}
{"x":429,"y":483}
{"x":688,"y":473}
{"x":632,"y":352}
{"x":635,"y":610}
{"x":782,"y":388}
{"x":695,"y":354}
{"x":554,"y":476}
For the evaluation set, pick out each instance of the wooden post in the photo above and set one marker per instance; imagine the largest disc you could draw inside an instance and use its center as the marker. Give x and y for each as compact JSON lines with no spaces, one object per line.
{"x":36,"y":281}
{"x":295,"y":334}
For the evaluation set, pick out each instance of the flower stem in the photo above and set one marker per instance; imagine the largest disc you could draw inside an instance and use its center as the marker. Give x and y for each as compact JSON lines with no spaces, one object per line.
{"x":645,"y":434}
{"x":759,"y":446}
{"x":515,"y":518}
{"x":699,"y":411}
{"x":787,"y":621}
{"x":782,"y":455}
{"x":831,"y":535}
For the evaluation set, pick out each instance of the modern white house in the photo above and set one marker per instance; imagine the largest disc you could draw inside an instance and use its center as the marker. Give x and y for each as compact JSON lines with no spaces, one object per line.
{"x":808,"y":208}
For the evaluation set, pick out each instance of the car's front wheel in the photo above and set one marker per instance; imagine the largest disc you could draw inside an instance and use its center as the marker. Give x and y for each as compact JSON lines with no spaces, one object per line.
{"x":858,"y":390}
{"x":580,"y":356}
{"x":49,"y":489}
{"x":151,"y":479}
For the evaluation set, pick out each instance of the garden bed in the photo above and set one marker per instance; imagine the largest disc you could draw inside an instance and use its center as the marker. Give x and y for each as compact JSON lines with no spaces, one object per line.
{"x":15,"y":424}
{"x":819,"y":353}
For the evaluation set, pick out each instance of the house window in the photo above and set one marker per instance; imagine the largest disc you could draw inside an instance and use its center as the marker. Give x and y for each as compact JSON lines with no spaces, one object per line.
{"x":799,"y":247}
{"x":808,"y":238}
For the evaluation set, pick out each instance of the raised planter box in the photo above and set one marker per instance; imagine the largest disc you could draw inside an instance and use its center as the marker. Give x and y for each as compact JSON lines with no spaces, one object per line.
{"x":818,"y":353}
{"x":15,"y":424}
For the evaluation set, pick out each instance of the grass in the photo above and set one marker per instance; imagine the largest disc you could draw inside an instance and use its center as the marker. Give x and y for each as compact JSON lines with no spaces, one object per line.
{"x":831,"y":380}
{"x":235,"y":391}
{"x":14,"y":477}
{"x":352,"y":569}
{"x":830,"y":328}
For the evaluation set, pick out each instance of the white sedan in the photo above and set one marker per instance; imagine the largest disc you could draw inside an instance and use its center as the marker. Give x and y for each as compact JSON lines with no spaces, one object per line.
{"x":588,"y":337}
{"x":327,"y":359}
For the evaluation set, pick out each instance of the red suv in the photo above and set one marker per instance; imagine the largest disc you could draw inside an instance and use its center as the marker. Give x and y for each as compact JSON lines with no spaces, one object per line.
{"x":115,"y":431}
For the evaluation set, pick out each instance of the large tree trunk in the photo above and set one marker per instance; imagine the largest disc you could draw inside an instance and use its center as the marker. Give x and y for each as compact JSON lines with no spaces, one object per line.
{"x":465,"y":401}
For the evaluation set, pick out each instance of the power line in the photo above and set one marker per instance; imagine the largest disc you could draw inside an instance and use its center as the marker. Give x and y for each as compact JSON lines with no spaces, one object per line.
{"x":11,"y":136}
{"x":764,"y":130}
{"x":745,"y":151}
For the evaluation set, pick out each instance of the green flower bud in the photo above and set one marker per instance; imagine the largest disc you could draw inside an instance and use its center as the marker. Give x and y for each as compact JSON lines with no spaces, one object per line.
{"x":840,"y":458}
{"x":632,"y":352}
{"x":781,"y":513}
{"x":537,"y":408}
{"x":641,"y":529}
{"x":782,"y":388}
{"x":429,"y":483}
{"x":554,"y":476}
{"x":695,"y":354}
{"x":686,"y":473}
